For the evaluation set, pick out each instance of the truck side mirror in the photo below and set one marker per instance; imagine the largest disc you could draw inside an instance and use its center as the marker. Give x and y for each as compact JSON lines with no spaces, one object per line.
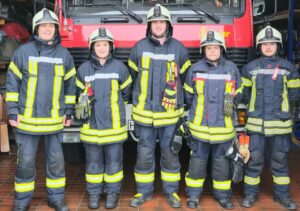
{"x":258,"y":7}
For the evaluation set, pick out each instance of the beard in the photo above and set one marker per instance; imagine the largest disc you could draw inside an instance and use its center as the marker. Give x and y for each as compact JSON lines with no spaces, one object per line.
{"x":157,"y":36}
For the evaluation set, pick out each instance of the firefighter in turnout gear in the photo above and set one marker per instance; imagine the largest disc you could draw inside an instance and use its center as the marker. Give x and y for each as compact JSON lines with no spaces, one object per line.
{"x":41,"y":94}
{"x":107,"y":82}
{"x":271,"y":85}
{"x":158,"y":64}
{"x":212,"y":87}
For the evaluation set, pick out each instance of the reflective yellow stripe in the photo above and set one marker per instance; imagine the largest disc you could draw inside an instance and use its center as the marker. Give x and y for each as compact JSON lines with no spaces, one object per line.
{"x":103,"y":140}
{"x":15,"y":70}
{"x":251,"y":180}
{"x":281,"y":180}
{"x":141,"y":119}
{"x":294,"y":83}
{"x":31,"y":87}
{"x":253,"y":128}
{"x":41,"y":120}
{"x":170,"y":177}
{"x":246,"y":82}
{"x":79,"y":84}
{"x":213,"y":137}
{"x":85,"y":129}
{"x":24,"y":187}
{"x":144,"y":178}
{"x":194,"y":183}
{"x":188,"y":88}
{"x":222,"y":185}
{"x":228,"y":90}
{"x":278,"y":131}
{"x":94,"y":178}
{"x":55,"y":183}
{"x":12,"y":97}
{"x":210,"y":130}
{"x":70,"y":99}
{"x":200,"y":102}
{"x":165,"y":114}
{"x":285,"y":101}
{"x":59,"y":72}
{"x":114,"y":98}
{"x":253,"y":95}
{"x":185,"y":66}
{"x":113,"y":178}
{"x":70,"y":74}
{"x":162,"y":122}
{"x":40,"y":128}
{"x":255,"y":121}
{"x":126,"y":83}
{"x":144,"y":90}
{"x":132,"y":65}
{"x":278,"y":123}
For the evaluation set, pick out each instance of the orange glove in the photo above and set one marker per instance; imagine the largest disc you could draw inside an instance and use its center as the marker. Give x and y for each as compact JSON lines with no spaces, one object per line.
{"x":244,"y":147}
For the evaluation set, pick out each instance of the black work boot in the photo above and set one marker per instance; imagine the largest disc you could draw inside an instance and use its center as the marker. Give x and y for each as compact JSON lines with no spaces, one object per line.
{"x":192,"y":202}
{"x":226,"y":203}
{"x":249,"y":200}
{"x":139,"y":199}
{"x":111,"y":200}
{"x":58,"y":205}
{"x":94,"y":200}
{"x":173,"y":200}
{"x":17,"y":208}
{"x":287,"y":202}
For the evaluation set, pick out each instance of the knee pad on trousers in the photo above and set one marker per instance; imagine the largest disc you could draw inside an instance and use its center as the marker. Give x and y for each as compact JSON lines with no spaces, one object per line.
{"x":169,"y":160}
{"x":56,"y":166}
{"x":221,"y":169}
{"x":197,"y":168}
{"x":279,"y":160}
{"x":26,"y":167}
{"x":93,"y":168}
{"x":256,"y":161}
{"x":145,"y":158}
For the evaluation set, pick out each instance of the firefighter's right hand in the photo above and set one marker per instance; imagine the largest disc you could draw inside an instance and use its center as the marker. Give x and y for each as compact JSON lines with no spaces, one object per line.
{"x":82,"y":108}
{"x":14,"y":122}
{"x":169,"y":98}
{"x":229,"y":106}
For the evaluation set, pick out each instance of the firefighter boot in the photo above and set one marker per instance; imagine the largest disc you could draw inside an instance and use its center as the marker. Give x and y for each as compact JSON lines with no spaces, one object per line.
{"x":226,"y":203}
{"x":249,"y":201}
{"x":192,"y":202}
{"x":287,"y":202}
{"x":58,"y":205}
{"x":139,"y":199}
{"x":173,"y":200}
{"x":94,"y":200}
{"x":111,"y":200}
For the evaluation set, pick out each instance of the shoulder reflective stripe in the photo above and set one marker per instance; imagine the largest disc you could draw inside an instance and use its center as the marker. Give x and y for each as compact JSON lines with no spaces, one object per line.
{"x":12,"y":97}
{"x":101,"y":76}
{"x":145,"y":62}
{"x":57,"y":82}
{"x":126,"y":83}
{"x":268,"y":72}
{"x":253,"y":128}
{"x":24,"y":187}
{"x":114,"y":98}
{"x":194,"y":183}
{"x":70,"y":74}
{"x":55,"y":183}
{"x":251,"y":180}
{"x":253,"y":95}
{"x":213,"y":76}
{"x":40,"y":128}
{"x":114,"y":177}
{"x":144,"y":178}
{"x":170,"y":177}
{"x":70,"y":99}
{"x":166,"y":57}
{"x":188,"y":88}
{"x":40,"y":120}
{"x":277,"y":131}
{"x":15,"y":70}
{"x":44,"y":59}
{"x":293,"y":83}
{"x":222,"y":185}
{"x":185,"y":66}
{"x":246,"y":82}
{"x":79,"y":84}
{"x":143,"y":90}
{"x":284,"y":180}
{"x":200,"y":102}
{"x":278,"y":123}
{"x":94,"y":178}
{"x":132,"y":65}
{"x":31,"y":88}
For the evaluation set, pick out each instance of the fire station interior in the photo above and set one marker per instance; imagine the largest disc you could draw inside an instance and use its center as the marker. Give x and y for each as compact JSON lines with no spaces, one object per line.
{"x":15,"y":29}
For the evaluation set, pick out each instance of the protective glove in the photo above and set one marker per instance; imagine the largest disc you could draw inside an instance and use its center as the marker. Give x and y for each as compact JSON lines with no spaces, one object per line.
{"x":229,"y":106}
{"x":244,"y":141}
{"x":176,"y":144}
{"x":169,"y":98}
{"x":236,"y":163}
{"x":82,"y":108}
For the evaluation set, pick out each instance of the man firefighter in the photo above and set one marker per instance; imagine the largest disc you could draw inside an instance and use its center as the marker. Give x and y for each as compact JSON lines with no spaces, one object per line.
{"x":212,"y":86}
{"x":40,"y":98}
{"x":271,"y":85}
{"x":105,"y":83}
{"x":158,"y":64}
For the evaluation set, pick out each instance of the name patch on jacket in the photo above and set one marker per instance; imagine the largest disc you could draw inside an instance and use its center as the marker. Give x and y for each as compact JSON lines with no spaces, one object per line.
{"x":101,"y":76}
{"x":167,"y":57}
{"x":202,"y":76}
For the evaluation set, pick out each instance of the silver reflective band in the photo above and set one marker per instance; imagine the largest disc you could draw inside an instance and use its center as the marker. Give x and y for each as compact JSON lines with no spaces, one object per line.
{"x":269,"y":72}
{"x":101,"y":76}
{"x":213,"y":76}
{"x":167,"y":57}
{"x":46,"y":60}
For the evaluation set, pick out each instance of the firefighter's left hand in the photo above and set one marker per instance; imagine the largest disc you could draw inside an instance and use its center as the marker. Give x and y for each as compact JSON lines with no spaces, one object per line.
{"x":67,"y":122}
{"x":229,"y":106}
{"x":169,"y":98}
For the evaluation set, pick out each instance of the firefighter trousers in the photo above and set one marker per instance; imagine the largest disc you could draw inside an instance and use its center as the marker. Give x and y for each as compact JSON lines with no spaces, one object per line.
{"x":145,"y":164}
{"x":278,"y":148}
{"x":104,"y":168}
{"x":220,"y":170}
{"x":26,"y":168}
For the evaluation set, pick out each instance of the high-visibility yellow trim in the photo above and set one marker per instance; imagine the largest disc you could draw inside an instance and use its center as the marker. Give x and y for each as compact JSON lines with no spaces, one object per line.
{"x":285,"y":180}
{"x":70,"y":74}
{"x":253,"y":95}
{"x":185,"y":66}
{"x":12,"y":97}
{"x":228,"y":90}
{"x":57,"y":82}
{"x":166,"y":114}
{"x":251,"y":180}
{"x":253,"y":128}
{"x":132,"y":65}
{"x":14,"y":68}
{"x":222,"y":185}
{"x":40,"y":128}
{"x":70,"y":99}
{"x":200,"y":102}
{"x":162,"y":122}
{"x":170,"y":177}
{"x":114,"y":98}
{"x":210,"y":130}
{"x":31,"y":87}
{"x":55,"y":183}
{"x":255,"y":121}
{"x":144,"y":178}
{"x":188,"y":88}
{"x":145,"y":62}
{"x":278,"y":123}
{"x":113,"y":178}
{"x":285,"y":100}
{"x":293,"y":83}
{"x":94,"y":178}
{"x":24,"y":187}
{"x":103,"y":140}
{"x":85,"y":129}
{"x":246,"y":82}
{"x":41,"y":120}
{"x":141,"y":119}
{"x":278,"y":131}
{"x":79,"y":84}
{"x":194,"y":183}
{"x":143,"y":89}
{"x":126,"y":83}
